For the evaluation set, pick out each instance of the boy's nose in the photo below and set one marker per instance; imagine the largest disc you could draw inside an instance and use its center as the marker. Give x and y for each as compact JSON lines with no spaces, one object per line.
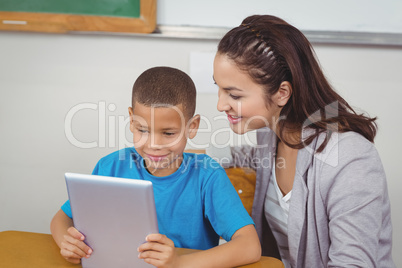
{"x":154,"y":142}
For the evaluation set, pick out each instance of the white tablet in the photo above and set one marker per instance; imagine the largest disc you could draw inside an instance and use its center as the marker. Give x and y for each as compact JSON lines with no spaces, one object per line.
{"x":115,"y":215}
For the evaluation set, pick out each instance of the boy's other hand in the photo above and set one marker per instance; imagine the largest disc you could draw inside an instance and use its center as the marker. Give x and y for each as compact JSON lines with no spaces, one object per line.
{"x":73,"y":247}
{"x":159,"y":251}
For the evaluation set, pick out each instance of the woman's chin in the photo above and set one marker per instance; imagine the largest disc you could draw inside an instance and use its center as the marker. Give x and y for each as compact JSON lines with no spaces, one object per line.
{"x":239,"y":129}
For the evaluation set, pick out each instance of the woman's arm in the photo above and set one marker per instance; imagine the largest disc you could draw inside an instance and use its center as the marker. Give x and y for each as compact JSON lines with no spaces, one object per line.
{"x":354,"y":190}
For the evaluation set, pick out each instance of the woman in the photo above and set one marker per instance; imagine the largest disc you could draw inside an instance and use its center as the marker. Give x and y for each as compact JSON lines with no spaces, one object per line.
{"x":321,"y":196}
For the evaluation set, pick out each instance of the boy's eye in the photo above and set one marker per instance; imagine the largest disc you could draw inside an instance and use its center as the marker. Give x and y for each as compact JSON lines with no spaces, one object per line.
{"x":169,"y":133}
{"x":234,"y":97}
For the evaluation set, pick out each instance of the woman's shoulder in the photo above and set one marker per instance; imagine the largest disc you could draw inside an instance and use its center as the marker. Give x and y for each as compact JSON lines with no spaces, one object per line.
{"x":341,"y":149}
{"x":345,"y":143}
{"x":348,"y":150}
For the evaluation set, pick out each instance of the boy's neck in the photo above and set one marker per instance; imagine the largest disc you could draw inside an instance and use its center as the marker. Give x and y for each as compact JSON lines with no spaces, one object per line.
{"x":163,"y":172}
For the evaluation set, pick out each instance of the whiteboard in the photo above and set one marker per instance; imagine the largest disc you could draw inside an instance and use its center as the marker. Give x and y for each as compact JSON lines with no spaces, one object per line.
{"x":371,"y":16}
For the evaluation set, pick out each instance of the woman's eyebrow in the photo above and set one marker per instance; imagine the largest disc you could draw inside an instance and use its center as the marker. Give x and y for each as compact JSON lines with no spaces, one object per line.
{"x":227,"y":88}
{"x":231,"y":89}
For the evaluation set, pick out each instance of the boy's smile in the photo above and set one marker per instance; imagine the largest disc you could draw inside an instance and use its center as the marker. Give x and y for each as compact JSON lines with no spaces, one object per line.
{"x":160,"y":136}
{"x":157,"y":158}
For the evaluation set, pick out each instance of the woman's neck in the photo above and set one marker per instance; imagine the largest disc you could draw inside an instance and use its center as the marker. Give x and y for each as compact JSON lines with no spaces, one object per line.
{"x":288,"y":136}
{"x":285,"y":166}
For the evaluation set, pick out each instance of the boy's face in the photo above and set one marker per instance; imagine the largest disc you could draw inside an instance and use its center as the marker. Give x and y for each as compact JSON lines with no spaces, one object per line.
{"x":160,"y":136}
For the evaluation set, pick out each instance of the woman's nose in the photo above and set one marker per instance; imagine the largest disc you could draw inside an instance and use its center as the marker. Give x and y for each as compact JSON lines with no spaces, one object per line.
{"x":222,"y":105}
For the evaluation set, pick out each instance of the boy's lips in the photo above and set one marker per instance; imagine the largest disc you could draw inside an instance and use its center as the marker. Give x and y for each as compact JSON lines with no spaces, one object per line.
{"x":156,"y":158}
{"x":234,"y":119}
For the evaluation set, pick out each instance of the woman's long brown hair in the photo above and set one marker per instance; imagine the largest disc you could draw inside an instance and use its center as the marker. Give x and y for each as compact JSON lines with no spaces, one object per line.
{"x":273,"y":51}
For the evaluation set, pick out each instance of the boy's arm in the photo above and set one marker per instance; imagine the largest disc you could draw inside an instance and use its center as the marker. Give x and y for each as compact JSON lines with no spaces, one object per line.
{"x":69,"y":240}
{"x":243,"y":248}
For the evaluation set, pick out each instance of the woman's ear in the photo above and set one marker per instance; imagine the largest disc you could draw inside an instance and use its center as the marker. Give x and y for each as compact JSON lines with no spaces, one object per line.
{"x":284,"y":93}
{"x":193,"y":125}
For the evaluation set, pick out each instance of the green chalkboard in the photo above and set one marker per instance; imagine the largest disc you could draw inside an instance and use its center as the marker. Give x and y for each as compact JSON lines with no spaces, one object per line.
{"x":133,"y":16}
{"x":118,"y":8}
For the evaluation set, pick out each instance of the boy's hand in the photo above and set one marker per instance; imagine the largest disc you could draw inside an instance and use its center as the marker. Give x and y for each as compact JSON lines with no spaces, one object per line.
{"x":159,"y":251}
{"x":73,"y":248}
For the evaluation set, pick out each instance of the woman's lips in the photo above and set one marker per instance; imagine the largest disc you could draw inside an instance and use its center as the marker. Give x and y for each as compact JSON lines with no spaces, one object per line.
{"x":234,"y":119}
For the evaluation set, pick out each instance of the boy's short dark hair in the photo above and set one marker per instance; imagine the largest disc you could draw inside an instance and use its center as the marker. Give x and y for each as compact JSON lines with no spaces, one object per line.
{"x":165,"y":86}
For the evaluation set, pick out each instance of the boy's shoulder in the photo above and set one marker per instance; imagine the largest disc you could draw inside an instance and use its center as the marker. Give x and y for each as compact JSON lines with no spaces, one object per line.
{"x":204,"y":163}
{"x":118,"y":157}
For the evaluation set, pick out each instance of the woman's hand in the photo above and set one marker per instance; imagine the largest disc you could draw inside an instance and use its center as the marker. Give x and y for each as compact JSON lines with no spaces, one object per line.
{"x":73,"y":248}
{"x":159,"y":251}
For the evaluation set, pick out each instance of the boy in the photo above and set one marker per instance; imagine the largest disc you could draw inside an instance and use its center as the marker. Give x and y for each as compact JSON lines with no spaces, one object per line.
{"x":194,"y":199}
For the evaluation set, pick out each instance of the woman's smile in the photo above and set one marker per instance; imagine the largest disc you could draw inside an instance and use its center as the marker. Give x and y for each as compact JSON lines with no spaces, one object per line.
{"x":234,"y":119}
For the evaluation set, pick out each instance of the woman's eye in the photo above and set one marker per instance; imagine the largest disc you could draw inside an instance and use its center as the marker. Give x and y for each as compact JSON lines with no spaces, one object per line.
{"x":234,"y":97}
{"x":142,"y":130}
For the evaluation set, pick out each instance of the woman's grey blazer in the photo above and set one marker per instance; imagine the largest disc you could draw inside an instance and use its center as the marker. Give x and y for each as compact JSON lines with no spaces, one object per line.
{"x":339,"y":212}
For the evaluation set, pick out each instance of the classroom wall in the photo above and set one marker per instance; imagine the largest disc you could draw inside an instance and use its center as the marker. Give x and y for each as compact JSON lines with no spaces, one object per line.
{"x":60,"y":93}
{"x":313,"y":15}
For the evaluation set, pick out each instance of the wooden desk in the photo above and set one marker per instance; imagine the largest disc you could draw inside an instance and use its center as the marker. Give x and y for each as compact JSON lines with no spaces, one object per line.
{"x":34,"y":250}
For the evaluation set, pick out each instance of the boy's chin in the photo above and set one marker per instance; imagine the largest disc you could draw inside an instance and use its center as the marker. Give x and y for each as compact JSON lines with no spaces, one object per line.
{"x":155,"y":168}
{"x":155,"y":165}
{"x":158,"y":165}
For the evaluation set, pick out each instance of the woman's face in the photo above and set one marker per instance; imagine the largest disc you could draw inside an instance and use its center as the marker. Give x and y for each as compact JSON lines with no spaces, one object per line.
{"x":241,"y":98}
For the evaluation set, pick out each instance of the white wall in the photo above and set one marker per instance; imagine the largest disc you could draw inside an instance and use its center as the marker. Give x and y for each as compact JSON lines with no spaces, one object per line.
{"x":317,"y":15}
{"x":42,"y":76}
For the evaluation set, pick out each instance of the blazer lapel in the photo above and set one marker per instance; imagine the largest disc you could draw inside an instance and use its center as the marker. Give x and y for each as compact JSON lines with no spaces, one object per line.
{"x":298,"y":205}
{"x":266,"y":138}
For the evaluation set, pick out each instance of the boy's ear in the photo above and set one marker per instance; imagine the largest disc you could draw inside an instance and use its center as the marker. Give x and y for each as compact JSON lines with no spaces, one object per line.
{"x":284,"y":93}
{"x":193,"y":125}
{"x":130,"y":112}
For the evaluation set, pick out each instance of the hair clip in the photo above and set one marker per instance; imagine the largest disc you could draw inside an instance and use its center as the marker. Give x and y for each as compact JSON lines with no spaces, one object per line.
{"x":245,"y":25}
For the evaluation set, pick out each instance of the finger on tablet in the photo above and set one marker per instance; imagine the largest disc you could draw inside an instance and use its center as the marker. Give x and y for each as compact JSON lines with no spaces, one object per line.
{"x":75,"y":233}
{"x":160,"y":238}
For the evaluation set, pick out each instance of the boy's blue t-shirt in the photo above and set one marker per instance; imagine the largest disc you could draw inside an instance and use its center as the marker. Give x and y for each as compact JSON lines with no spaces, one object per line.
{"x":194,"y":206}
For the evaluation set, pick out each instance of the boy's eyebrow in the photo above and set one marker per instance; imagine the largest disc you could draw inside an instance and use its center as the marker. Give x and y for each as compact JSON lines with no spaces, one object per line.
{"x":163,"y":129}
{"x":170,"y":128}
{"x":139,"y":124}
